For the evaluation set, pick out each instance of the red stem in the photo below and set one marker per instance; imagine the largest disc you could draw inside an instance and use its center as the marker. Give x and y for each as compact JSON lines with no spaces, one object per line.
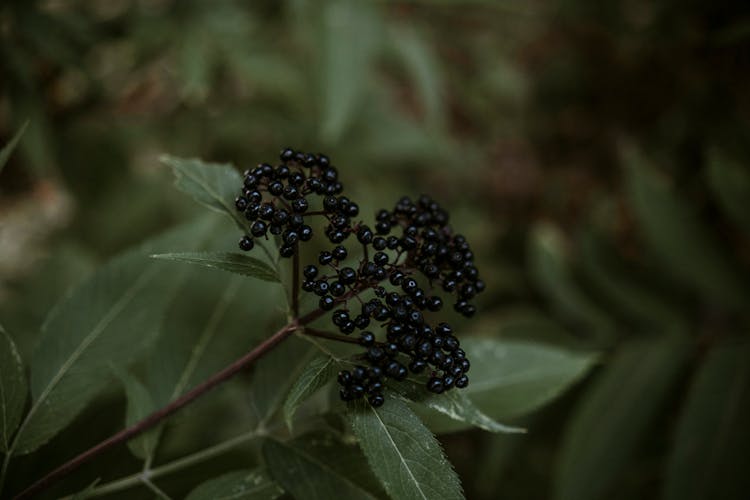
{"x":161,"y":414}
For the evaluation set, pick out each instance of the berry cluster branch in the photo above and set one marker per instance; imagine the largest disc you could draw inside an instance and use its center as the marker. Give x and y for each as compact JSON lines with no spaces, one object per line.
{"x":160,"y":415}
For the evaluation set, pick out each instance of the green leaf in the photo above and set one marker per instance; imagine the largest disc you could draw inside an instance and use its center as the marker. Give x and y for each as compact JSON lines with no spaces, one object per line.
{"x":305,"y":476}
{"x":686,"y":248}
{"x":87,"y":492}
{"x":275,"y":374}
{"x":403,"y":453}
{"x":552,"y":274}
{"x":232,"y":262}
{"x":108,"y":320}
{"x":212,"y":185}
{"x":317,"y":374}
{"x":238,"y":485}
{"x":617,"y":285}
{"x":731,"y":184}
{"x":140,"y":405}
{"x":511,"y":378}
{"x":13,"y":389}
{"x":614,"y":414}
{"x":454,"y":404}
{"x":350,"y":38}
{"x":10,"y":146}
{"x":424,"y":68}
{"x":710,"y":458}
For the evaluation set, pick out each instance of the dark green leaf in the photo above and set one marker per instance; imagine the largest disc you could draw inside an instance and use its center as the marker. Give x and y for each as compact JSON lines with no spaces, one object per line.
{"x":710,"y":458}
{"x":238,"y":485}
{"x":454,"y":404}
{"x":140,"y":404}
{"x":511,"y":378}
{"x":403,"y":453}
{"x":424,"y":69}
{"x":232,"y":262}
{"x":275,"y":374}
{"x":317,"y":374}
{"x":731,"y":183}
{"x":13,"y":389}
{"x":617,"y":285}
{"x":305,"y":476}
{"x":92,"y":328}
{"x":552,"y":274}
{"x":614,"y":414}
{"x":210,"y":184}
{"x":8,"y":148}
{"x":350,"y":37}
{"x":685,"y":246}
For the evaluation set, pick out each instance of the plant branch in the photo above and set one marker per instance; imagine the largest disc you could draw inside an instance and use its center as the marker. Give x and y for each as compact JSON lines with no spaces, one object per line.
{"x":330,"y":336}
{"x":176,"y":465}
{"x":161,"y":414}
{"x":295,"y":283}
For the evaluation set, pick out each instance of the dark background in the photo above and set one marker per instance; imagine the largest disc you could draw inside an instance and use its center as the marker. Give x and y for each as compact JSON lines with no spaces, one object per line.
{"x":595,"y":153}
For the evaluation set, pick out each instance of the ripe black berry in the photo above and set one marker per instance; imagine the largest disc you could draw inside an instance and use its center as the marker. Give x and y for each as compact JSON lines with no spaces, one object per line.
{"x":246,"y":243}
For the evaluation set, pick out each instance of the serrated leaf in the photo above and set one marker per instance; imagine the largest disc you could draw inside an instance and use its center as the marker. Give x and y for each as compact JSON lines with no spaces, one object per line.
{"x":226,"y":261}
{"x":317,"y":374}
{"x":139,"y":405}
{"x":709,"y":458}
{"x":511,"y":378}
{"x":403,"y":453}
{"x":13,"y":389}
{"x":454,"y":404}
{"x":349,"y":41}
{"x":685,"y":246}
{"x":238,"y":485}
{"x":551,"y":272}
{"x":10,"y":146}
{"x":305,"y":476}
{"x":731,"y":184}
{"x":213,"y":185}
{"x":108,"y":320}
{"x":614,"y":414}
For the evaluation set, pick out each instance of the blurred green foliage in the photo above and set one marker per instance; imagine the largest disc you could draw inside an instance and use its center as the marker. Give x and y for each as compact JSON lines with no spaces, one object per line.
{"x":597,"y":154}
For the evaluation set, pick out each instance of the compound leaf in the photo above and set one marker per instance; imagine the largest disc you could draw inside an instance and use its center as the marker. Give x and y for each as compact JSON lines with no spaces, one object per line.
{"x":403,"y":453}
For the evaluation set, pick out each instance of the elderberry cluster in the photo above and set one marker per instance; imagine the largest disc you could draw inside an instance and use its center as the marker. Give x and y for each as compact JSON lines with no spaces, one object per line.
{"x":276,"y":200}
{"x":391,"y":280}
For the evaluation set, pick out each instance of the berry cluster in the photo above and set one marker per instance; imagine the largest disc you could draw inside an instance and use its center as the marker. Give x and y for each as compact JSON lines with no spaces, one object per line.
{"x":276,"y":199}
{"x":408,"y":260}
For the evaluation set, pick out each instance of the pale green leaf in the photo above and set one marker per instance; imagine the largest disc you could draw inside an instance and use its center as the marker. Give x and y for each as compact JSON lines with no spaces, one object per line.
{"x":709,"y":458}
{"x":13,"y":389}
{"x":614,"y":415}
{"x":304,"y":475}
{"x":403,"y":453}
{"x":350,"y":38}
{"x":511,"y":378}
{"x":317,"y":374}
{"x":685,"y":246}
{"x":455,"y":404}
{"x":110,"y":319}
{"x":213,"y":185}
{"x":238,"y":485}
{"x":10,"y":146}
{"x":232,"y":262}
{"x":731,"y":184}
{"x":139,"y":405}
